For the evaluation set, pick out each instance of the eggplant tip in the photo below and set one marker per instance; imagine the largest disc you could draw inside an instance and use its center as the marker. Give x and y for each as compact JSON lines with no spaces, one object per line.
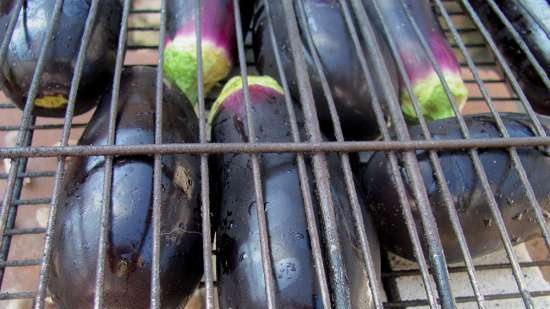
{"x":433,"y":100}
{"x":180,"y":66}
{"x":235,"y":84}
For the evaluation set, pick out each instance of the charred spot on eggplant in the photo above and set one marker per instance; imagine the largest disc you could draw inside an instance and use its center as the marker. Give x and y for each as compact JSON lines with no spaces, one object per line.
{"x":55,"y":82}
{"x":465,"y":188}
{"x":129,"y":244}
{"x":240,"y":273}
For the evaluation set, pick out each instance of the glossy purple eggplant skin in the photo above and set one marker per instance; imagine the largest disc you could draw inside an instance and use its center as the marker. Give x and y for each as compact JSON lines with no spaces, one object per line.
{"x":129,"y":245}
{"x":240,"y":274}
{"x":537,"y":40}
{"x":338,"y":56}
{"x":180,"y":14}
{"x":25,"y":45}
{"x":465,"y":187}
{"x":424,"y":81}
{"x":218,"y":38}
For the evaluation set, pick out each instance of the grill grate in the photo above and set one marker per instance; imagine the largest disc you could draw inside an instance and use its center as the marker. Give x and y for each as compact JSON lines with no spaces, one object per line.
{"x":431,"y":267}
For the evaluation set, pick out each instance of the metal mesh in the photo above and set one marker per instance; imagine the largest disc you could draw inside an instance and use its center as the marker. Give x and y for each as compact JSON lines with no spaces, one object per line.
{"x":471,"y":41}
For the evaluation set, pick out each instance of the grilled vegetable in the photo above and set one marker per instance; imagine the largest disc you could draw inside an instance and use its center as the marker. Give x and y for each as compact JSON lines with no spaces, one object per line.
{"x":427,"y":86}
{"x":55,"y":82}
{"x":129,"y":245}
{"x":240,"y":273}
{"x":538,"y":41}
{"x":339,"y":59}
{"x":218,"y":41}
{"x":465,"y":187}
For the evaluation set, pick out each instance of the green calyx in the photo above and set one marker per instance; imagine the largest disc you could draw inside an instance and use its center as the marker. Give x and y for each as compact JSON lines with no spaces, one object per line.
{"x":432,"y":98}
{"x":236,"y":84}
{"x":180,"y":66}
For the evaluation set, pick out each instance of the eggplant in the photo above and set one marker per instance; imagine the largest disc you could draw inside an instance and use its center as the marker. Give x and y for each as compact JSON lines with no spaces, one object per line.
{"x":129,"y":245}
{"x":55,"y":82}
{"x":339,"y":59}
{"x":537,"y":39}
{"x":465,"y":187}
{"x":240,"y":273}
{"x":218,"y":43}
{"x":425,"y":82}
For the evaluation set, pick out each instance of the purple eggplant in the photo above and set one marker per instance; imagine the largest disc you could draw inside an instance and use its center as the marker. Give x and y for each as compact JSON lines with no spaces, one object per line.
{"x":519,"y":13}
{"x":218,"y":42}
{"x":55,"y":82}
{"x":129,"y":245}
{"x":465,"y":187}
{"x":240,"y":274}
{"x":340,"y":64}
{"x":425,"y":82}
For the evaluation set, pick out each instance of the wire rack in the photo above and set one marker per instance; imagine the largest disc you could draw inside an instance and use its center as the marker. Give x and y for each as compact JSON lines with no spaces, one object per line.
{"x":493,"y":90}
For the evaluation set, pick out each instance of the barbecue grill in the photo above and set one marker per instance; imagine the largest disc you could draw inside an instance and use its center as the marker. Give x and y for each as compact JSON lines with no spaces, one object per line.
{"x":493,"y":89}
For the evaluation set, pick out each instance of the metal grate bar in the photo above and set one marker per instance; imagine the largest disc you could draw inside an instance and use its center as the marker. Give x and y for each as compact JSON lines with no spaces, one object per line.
{"x":481,"y":63}
{"x":9,"y":32}
{"x":535,"y":17}
{"x":495,"y":99}
{"x":19,"y":263}
{"x":32,"y":201}
{"x":506,"y":68}
{"x":17,"y":295}
{"x":143,"y":28}
{"x":461,"y":269}
{"x":311,"y":219}
{"x":60,"y":172}
{"x":328,"y":264}
{"x":256,"y":174}
{"x":497,"y":215}
{"x":439,"y":175}
{"x":304,"y":147}
{"x":141,"y":46}
{"x":26,"y":231}
{"x":12,"y":213}
{"x":204,"y":169}
{"x":462,"y":299}
{"x":30,"y":174}
{"x":538,"y":211}
{"x":27,"y":118}
{"x":157,"y":170}
{"x":337,"y":273}
{"x":145,"y":11}
{"x":472,"y":45}
{"x":108,"y":165}
{"x":42,"y":127}
{"x":521,"y":42}
{"x":463,"y":30}
{"x":346,"y":167}
{"x":436,"y":255}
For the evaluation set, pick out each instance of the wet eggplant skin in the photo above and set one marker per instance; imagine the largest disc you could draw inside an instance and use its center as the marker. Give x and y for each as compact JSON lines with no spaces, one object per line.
{"x":25,"y":45}
{"x":241,"y":280}
{"x":129,"y":248}
{"x":240,"y":272}
{"x":360,"y":291}
{"x":465,"y":187}
{"x":340,"y":61}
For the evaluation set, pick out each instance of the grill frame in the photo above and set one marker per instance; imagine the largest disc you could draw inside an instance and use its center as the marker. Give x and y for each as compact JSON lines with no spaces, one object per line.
{"x":433,"y":267}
